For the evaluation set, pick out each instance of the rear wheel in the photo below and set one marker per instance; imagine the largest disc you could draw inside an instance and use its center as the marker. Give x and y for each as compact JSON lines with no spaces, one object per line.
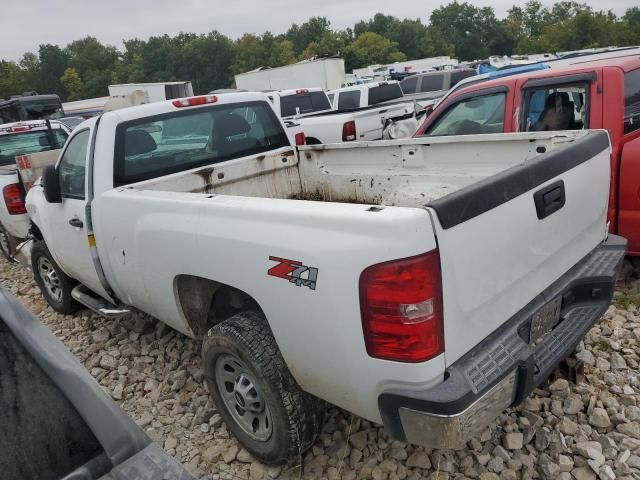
{"x":256,"y":395}
{"x":54,"y":284}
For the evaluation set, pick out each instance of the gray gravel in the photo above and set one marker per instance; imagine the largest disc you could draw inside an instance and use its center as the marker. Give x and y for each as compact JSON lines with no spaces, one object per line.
{"x":586,"y":432}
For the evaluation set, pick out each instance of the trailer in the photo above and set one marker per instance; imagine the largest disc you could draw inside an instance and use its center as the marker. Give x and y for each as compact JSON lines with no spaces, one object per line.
{"x":156,"y":92}
{"x":325,"y":73}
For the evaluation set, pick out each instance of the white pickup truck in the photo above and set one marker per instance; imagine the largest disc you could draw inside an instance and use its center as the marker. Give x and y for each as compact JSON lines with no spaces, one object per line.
{"x":310,"y":108}
{"x":21,"y":138}
{"x":426,"y":284}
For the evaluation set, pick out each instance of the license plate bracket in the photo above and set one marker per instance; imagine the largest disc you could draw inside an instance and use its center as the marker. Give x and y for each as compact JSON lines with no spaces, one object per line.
{"x":545,"y":319}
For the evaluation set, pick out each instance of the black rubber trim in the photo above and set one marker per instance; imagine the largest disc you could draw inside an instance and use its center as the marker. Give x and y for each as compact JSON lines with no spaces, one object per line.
{"x":560,"y":80}
{"x":491,"y":192}
{"x":595,"y":273}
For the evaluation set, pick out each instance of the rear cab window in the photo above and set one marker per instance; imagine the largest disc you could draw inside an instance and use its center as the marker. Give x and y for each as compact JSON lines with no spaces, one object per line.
{"x":632,"y":101}
{"x":556,"y":107}
{"x":480,"y":114}
{"x":307,"y":102}
{"x":29,"y":141}
{"x":349,"y":100}
{"x":177,"y":141}
{"x":384,"y":92}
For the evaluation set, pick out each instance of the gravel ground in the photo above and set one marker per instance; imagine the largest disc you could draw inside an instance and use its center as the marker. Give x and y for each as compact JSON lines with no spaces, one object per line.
{"x":585,"y":431}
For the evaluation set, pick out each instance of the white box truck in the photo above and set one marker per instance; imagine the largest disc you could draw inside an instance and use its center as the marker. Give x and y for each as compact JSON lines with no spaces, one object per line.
{"x":156,"y":92}
{"x":326,"y":73}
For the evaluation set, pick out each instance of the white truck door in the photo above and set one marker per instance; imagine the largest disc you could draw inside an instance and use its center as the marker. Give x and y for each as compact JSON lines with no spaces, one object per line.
{"x":67,"y":240}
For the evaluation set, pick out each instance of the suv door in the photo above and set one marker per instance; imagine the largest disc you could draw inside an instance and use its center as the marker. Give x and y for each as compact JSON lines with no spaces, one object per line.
{"x":67,"y":234}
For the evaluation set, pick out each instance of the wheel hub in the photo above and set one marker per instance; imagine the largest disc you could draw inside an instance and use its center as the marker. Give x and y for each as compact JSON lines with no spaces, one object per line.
{"x":49,"y":278}
{"x":4,"y":243}
{"x":242,"y":398}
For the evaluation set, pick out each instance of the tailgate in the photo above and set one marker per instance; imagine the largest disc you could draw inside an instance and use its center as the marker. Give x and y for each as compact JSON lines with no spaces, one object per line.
{"x":505,"y":239}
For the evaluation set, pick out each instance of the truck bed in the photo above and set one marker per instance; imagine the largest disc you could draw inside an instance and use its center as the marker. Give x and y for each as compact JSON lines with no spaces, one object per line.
{"x":407,"y":173}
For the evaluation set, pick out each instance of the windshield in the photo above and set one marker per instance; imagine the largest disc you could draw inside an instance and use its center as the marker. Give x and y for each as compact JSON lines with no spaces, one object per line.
{"x":306,"y":102}
{"x":384,"y":92}
{"x":42,"y":109}
{"x":24,"y":143}
{"x":191,"y":138}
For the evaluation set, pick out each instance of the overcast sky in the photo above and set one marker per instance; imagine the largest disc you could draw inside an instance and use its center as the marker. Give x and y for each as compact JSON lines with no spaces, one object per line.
{"x":25,"y":24}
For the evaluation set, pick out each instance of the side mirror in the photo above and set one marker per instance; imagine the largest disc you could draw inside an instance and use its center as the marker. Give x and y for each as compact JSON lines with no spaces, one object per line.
{"x":51,"y":184}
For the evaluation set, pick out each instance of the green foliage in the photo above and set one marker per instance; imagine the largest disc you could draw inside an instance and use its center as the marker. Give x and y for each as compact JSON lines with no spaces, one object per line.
{"x":85,"y":67}
{"x":72,"y":84}
{"x":370,"y":48}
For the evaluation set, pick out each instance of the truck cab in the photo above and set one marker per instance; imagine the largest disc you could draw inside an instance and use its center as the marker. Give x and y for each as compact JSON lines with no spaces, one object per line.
{"x":597,"y":94}
{"x":299,"y":102}
{"x":366,"y":95}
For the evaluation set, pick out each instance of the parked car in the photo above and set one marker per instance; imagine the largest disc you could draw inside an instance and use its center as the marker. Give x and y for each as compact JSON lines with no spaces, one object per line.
{"x":286,"y":262}
{"x":57,"y":422}
{"x":602,"y":93}
{"x":19,"y":139}
{"x":311,"y":109}
{"x":428,"y":86}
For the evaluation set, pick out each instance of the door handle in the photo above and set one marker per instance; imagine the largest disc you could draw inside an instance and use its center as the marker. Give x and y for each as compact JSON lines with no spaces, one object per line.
{"x":76,"y":222}
{"x":549,"y":199}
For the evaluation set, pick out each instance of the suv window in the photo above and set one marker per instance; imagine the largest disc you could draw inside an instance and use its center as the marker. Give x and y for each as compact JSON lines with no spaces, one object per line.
{"x":306,"y":102}
{"x":349,"y":100}
{"x":556,"y":108}
{"x":432,"y":83}
{"x":476,"y":115}
{"x":632,"y":101}
{"x":409,"y":84}
{"x":458,"y":75}
{"x":72,"y":166}
{"x":384,"y":92}
{"x":178,"y":141}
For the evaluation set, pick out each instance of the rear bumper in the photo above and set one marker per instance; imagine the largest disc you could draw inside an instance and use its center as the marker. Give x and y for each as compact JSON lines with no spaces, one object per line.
{"x":504,"y":368}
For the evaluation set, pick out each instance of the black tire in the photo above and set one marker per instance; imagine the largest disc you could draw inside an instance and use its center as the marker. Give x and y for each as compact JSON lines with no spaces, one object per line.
{"x":62,"y":302}
{"x":296,"y":416}
{"x":7,"y":244}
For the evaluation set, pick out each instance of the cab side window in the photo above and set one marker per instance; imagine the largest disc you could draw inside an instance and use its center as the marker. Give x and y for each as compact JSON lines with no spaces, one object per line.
{"x":556,"y":108}
{"x":72,"y":166}
{"x":471,"y":116}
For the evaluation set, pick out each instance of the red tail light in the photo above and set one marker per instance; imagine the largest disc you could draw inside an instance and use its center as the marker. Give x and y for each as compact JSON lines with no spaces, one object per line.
{"x":13,"y":199}
{"x":349,"y":131}
{"x":195,"y":101}
{"x":401,"y":309}
{"x":302,"y":90}
{"x":300,"y":140}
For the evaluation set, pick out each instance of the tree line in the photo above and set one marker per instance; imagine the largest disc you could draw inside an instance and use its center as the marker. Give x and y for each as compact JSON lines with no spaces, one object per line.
{"x":84,"y":68}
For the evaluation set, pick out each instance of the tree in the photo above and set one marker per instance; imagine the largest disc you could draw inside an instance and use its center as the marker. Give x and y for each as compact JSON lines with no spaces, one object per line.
{"x":53,"y":61}
{"x":369,"y":49}
{"x":12,"y":79}
{"x":72,"y":84}
{"x":302,"y":35}
{"x":94,"y":63}
{"x":474,"y":32}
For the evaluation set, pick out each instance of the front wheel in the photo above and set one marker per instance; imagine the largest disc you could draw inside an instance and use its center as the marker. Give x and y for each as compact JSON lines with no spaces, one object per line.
{"x":256,"y":395}
{"x":7,"y":244}
{"x":54,"y":284}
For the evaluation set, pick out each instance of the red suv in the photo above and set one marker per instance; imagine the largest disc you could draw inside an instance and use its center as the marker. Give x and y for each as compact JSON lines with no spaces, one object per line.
{"x":603,"y":93}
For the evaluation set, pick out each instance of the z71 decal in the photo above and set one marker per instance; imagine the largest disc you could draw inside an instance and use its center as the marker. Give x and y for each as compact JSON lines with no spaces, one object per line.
{"x":294,"y":271}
